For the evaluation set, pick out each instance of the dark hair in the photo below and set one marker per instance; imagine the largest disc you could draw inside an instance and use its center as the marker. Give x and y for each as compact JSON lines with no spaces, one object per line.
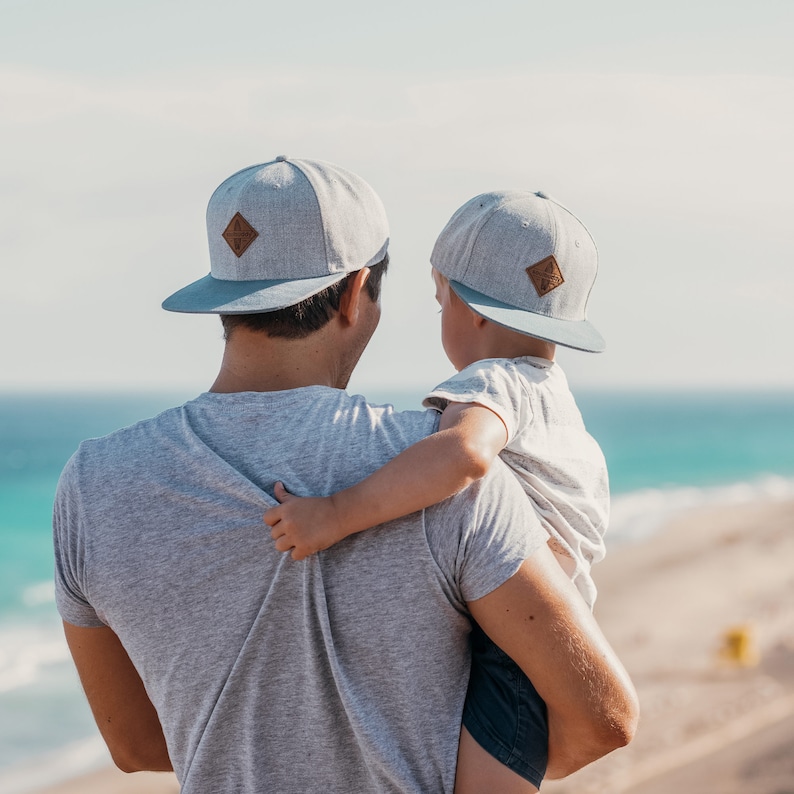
{"x":308,"y":316}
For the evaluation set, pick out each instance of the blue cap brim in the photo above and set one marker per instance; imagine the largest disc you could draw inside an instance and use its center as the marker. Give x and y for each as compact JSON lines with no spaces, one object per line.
{"x":578,"y":334}
{"x":210,"y":295}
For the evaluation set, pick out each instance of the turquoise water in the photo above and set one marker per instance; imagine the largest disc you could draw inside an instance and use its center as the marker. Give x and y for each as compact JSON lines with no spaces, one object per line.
{"x":665,"y":452}
{"x":654,"y":440}
{"x":702,"y":439}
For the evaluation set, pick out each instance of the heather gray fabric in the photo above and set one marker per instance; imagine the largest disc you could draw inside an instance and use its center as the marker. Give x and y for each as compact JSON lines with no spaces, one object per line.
{"x":345,"y":672}
{"x":524,"y":261}
{"x":282,"y":231}
{"x":558,"y":463}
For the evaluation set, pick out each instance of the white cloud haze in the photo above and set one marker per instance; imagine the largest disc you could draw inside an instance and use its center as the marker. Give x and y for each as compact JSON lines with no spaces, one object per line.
{"x":683,"y":178}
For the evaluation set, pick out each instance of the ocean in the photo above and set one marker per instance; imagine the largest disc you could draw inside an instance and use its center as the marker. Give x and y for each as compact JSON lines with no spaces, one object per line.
{"x":666,"y":453}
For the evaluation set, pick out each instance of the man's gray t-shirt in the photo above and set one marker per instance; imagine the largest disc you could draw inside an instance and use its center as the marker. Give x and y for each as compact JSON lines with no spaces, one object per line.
{"x":345,"y":672}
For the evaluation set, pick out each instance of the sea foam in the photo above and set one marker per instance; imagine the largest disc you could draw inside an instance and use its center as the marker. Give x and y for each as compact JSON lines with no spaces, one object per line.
{"x":637,"y":515}
{"x":26,"y":652}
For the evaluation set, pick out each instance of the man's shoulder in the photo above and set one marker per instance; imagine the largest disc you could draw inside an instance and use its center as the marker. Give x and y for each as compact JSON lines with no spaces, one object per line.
{"x":128,"y":433}
{"x":101,"y":453}
{"x":386,"y":418}
{"x":497,"y":491}
{"x":484,"y":532}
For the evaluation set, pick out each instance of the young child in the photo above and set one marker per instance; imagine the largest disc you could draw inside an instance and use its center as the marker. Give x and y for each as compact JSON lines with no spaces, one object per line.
{"x":513,"y":271}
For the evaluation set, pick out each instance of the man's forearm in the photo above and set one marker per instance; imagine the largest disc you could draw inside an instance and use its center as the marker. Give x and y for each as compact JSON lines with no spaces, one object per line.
{"x":538,"y":618}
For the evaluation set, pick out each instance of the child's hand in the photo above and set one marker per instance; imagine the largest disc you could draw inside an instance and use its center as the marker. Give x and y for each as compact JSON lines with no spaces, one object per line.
{"x":303,"y":525}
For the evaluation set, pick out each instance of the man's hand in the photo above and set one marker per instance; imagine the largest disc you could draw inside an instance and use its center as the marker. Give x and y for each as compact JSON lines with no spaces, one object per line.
{"x":304,"y":525}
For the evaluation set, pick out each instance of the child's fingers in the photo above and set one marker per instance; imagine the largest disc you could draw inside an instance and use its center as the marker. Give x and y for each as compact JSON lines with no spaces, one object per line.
{"x":281,"y":493}
{"x":272,"y":516}
{"x":283,"y":543}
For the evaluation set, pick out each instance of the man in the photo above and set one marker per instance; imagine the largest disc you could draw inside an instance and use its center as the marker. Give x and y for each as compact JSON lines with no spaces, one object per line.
{"x":345,"y":672}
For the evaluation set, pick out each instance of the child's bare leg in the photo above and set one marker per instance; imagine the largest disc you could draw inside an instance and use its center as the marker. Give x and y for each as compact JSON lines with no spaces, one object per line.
{"x":480,"y":773}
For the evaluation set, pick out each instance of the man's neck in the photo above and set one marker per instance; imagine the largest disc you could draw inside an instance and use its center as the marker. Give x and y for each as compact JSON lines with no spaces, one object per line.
{"x":252,"y":361}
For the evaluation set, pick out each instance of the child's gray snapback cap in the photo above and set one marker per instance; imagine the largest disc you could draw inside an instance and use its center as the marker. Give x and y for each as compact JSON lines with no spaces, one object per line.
{"x":282,"y":231}
{"x":523,"y":261}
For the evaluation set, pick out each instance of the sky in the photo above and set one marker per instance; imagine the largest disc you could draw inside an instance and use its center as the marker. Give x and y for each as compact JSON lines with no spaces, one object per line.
{"x":666,"y":127}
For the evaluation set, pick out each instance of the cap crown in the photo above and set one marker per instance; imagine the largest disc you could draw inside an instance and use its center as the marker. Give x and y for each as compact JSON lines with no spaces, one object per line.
{"x":281,"y":232}
{"x":501,"y":244}
{"x":311,"y":219}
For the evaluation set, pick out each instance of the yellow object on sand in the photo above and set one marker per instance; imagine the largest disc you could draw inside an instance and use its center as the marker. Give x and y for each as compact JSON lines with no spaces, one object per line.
{"x":738,"y":646}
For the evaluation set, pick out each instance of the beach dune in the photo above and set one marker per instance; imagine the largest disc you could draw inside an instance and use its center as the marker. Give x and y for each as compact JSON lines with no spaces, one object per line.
{"x":702,"y":615}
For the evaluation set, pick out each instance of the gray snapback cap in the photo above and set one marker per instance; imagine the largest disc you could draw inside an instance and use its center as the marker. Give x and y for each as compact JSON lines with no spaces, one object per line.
{"x":282,"y":231}
{"x":523,"y":261}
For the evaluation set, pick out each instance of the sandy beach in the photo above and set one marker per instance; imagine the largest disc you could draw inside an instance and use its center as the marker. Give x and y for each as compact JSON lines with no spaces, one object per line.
{"x":710,"y":724}
{"x":703,"y":617}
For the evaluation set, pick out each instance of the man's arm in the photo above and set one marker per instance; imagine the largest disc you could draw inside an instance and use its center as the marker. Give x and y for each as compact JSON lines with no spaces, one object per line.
{"x":539,"y":619}
{"x":123,"y":712}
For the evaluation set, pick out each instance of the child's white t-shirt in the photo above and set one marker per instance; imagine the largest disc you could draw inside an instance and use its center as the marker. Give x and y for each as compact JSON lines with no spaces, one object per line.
{"x":559,"y":464}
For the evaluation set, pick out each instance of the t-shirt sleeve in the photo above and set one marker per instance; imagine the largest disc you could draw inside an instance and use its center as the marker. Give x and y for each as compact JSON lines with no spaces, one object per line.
{"x":492,"y":383}
{"x":481,"y":536}
{"x":69,"y":547}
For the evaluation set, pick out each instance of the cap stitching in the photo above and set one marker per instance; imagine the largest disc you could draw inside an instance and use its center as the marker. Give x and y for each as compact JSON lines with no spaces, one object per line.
{"x":487,"y":218}
{"x":295,"y":164}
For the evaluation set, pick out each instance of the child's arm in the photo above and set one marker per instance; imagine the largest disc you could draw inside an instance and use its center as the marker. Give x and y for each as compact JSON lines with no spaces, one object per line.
{"x":470,"y":436}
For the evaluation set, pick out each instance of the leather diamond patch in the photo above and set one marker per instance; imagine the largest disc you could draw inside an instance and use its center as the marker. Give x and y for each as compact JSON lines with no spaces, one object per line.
{"x":545,"y":275}
{"x":239,"y":234}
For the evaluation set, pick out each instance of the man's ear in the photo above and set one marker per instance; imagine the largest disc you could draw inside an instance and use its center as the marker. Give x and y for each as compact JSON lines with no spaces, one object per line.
{"x":351,"y":298}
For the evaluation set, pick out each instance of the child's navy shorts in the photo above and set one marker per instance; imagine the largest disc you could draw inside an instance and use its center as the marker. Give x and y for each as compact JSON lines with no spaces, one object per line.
{"x":503,"y":712}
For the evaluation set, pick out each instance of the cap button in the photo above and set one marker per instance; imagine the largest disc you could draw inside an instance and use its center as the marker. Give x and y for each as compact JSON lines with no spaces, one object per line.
{"x":542,"y":194}
{"x":281,"y":158}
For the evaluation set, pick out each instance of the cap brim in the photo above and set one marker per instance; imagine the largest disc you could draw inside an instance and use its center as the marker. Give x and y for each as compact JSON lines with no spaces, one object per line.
{"x":578,"y":334}
{"x":210,"y":295}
